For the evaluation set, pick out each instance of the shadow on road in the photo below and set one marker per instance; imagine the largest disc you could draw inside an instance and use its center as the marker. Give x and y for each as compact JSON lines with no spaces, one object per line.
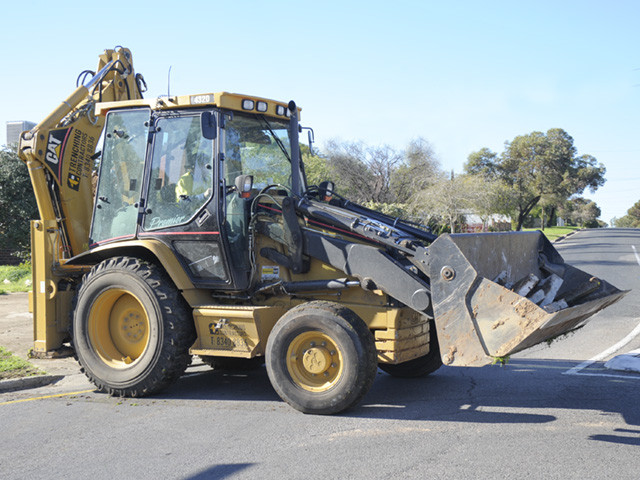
{"x":490,"y":394}
{"x":522,"y":384}
{"x":621,"y":439}
{"x":220,"y":471}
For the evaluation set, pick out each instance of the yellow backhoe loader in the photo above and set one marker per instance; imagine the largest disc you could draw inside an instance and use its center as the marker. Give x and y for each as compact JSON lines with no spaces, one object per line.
{"x":183,"y":225}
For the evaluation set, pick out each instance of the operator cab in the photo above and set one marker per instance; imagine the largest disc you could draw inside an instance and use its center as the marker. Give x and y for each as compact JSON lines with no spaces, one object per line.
{"x":185,"y":177}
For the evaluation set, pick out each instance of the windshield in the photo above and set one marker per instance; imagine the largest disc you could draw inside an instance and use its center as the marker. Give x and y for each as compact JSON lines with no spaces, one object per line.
{"x":259,"y":147}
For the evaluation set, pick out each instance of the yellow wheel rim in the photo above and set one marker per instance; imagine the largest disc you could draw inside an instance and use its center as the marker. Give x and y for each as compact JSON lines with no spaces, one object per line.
{"x":118,"y":328}
{"x":314,"y":361}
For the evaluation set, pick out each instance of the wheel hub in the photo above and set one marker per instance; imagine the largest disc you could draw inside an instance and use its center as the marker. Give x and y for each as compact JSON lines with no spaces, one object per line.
{"x":133,"y":327}
{"x":316,"y":360}
{"x":118,"y":327}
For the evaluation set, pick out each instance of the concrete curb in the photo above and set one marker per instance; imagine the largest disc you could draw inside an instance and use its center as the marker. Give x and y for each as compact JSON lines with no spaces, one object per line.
{"x":559,"y":239}
{"x":627,"y":362}
{"x":25,"y":383}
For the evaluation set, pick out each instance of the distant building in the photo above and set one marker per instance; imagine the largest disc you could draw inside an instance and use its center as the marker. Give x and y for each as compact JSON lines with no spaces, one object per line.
{"x":14,"y":129}
{"x":493,"y":223}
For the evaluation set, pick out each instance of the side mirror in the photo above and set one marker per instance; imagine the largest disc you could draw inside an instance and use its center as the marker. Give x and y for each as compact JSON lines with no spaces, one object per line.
{"x":311,"y":138}
{"x":208,"y":125}
{"x":244,"y":184}
{"x":326,"y":190}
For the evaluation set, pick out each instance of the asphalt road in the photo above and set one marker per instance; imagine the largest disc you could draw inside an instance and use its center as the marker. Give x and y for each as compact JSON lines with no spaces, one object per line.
{"x":531,"y":419}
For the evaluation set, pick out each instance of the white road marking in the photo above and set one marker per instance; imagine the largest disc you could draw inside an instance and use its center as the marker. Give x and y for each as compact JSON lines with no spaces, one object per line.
{"x":607,"y":375}
{"x":601,"y":356}
{"x":19,"y":315}
{"x":635,"y":252}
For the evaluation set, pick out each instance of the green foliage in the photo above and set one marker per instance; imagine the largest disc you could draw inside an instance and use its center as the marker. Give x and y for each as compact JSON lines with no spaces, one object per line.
{"x":316,"y":167}
{"x":553,"y":233}
{"x":631,"y":219}
{"x":17,"y":203}
{"x":381,"y":178}
{"x":18,"y":277}
{"x":581,"y":212}
{"x":626,"y":221}
{"x":399,"y":210}
{"x":361,"y":172}
{"x":13,"y":274}
{"x":14,"y":367}
{"x":501,"y":360}
{"x":447,"y":198}
{"x":418,"y":170}
{"x":537,"y":166}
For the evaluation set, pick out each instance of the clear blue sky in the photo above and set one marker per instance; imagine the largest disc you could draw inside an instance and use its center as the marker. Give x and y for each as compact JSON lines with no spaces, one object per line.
{"x":464,"y":75}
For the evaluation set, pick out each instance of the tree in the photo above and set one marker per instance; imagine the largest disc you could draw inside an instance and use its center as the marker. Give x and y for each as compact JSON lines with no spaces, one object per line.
{"x":536,"y":166}
{"x":362,"y":173}
{"x":408,"y":183}
{"x":581,"y":211}
{"x":631,"y":219}
{"x":17,"y":203}
{"x":381,"y":174}
{"x":419,"y":169}
{"x":448,"y":198}
{"x":316,"y":167}
{"x":487,"y":197}
{"x":634,"y":212}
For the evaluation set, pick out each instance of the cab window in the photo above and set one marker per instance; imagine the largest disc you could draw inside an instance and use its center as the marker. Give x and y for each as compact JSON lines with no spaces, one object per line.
{"x":181,"y":178}
{"x":121,"y":170}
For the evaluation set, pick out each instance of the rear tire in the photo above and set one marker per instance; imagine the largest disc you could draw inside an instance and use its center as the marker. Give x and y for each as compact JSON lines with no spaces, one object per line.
{"x":321,"y":358}
{"x":131,"y":328}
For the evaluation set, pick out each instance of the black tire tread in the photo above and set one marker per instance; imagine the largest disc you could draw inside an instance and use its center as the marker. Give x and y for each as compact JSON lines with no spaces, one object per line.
{"x":179,"y":329}
{"x":368,"y":367}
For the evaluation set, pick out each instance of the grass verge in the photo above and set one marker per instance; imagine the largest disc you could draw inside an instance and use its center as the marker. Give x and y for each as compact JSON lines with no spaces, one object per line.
{"x":15,"y":367}
{"x":552,"y":233}
{"x":15,"y":278}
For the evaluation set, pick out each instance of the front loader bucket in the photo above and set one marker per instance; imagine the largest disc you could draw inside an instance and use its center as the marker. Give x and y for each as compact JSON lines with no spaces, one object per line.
{"x":495,"y":294}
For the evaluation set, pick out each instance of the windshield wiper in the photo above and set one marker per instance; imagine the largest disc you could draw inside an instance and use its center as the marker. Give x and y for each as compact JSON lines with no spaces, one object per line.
{"x":276,"y":138}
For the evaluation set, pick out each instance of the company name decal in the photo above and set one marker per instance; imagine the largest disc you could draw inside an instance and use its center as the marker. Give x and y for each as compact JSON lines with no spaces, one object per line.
{"x":77,"y":164}
{"x":55,"y":148}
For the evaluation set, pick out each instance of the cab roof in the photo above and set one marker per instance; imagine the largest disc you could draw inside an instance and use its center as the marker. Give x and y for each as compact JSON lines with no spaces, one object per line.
{"x":231,"y":101}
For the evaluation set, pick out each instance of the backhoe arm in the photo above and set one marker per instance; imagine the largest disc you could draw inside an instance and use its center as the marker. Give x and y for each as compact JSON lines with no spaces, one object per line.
{"x":60,"y":150}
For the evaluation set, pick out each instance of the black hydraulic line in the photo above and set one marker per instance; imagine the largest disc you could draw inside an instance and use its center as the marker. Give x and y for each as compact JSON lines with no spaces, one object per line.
{"x":391,"y":221}
{"x":312,"y":285}
{"x":83,"y":74}
{"x":295,"y":149}
{"x":139,"y":82}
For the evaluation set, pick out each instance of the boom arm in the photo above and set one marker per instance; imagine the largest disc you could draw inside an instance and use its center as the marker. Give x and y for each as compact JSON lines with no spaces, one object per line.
{"x":59,"y":151}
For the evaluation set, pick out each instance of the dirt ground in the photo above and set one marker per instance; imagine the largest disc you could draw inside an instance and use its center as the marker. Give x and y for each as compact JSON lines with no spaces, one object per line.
{"x":16,"y":335}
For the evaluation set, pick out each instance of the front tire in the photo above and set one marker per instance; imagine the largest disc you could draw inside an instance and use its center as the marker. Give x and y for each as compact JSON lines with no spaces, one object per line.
{"x":321,"y":358}
{"x":131,"y":328}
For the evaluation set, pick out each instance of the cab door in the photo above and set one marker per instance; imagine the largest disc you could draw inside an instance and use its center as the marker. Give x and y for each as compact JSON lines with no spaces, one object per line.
{"x":180,"y":209}
{"x":120,"y":183}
